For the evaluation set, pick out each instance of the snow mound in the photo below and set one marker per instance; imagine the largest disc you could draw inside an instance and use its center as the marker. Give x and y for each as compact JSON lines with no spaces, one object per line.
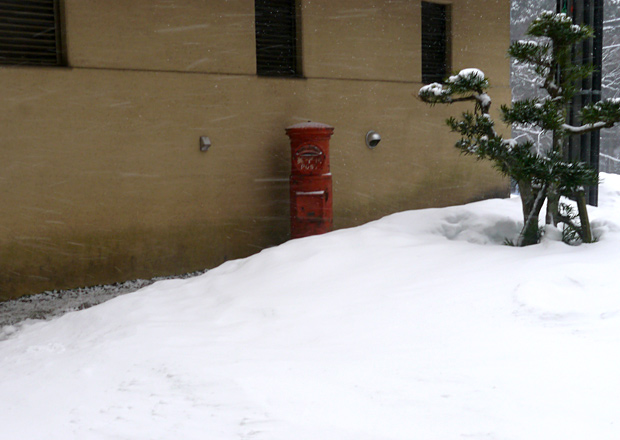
{"x":419,"y":325}
{"x":471,"y":228}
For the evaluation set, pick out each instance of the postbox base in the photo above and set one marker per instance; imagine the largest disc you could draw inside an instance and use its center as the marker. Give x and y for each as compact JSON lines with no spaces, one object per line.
{"x":311,"y":206}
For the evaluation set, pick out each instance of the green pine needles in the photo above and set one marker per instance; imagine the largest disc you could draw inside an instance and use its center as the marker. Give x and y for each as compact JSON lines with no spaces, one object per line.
{"x":542,"y":176}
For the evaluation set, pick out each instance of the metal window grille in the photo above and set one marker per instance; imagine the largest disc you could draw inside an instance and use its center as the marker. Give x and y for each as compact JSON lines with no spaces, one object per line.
{"x":30,"y":32}
{"x":276,"y":38}
{"x":434,"y":42}
{"x":586,"y":147}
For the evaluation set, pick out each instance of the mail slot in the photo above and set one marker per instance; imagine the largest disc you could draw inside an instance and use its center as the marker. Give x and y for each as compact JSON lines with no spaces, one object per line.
{"x":311,"y":180}
{"x":308,"y":159}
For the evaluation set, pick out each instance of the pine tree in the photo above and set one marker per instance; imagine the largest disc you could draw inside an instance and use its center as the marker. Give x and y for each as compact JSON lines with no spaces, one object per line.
{"x":541,"y":176}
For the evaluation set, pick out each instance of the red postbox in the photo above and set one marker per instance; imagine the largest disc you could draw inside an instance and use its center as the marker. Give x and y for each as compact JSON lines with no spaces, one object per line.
{"x":311,"y":181}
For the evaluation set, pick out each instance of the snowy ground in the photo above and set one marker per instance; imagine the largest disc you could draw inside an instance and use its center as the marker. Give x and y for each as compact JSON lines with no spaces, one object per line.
{"x":422,"y":325}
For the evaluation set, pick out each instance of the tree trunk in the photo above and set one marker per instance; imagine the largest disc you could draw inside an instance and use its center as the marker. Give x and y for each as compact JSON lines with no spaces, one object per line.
{"x":586,"y":229}
{"x":553,"y":197}
{"x":553,"y":206}
{"x":532,"y":201}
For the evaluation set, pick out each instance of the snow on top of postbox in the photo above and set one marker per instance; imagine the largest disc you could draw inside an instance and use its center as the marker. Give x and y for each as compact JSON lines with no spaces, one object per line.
{"x":309,"y":124}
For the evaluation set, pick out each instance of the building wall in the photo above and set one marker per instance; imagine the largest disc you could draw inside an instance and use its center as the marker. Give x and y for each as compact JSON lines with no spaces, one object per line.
{"x":101,"y":177}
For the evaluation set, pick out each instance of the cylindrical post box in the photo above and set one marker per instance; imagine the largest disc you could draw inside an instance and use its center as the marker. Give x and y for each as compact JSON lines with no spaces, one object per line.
{"x":311,"y":180}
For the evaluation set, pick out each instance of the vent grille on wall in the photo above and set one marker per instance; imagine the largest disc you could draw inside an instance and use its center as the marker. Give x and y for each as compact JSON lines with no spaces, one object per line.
{"x":29,"y":32}
{"x":276,"y":38}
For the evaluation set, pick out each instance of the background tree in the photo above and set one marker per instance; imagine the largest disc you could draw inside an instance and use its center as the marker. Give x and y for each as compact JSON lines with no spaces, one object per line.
{"x":541,"y":175}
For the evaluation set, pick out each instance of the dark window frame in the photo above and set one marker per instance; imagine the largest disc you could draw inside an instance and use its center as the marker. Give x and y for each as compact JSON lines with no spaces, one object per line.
{"x":278,"y":51}
{"x":435,"y":41}
{"x":31,"y":33}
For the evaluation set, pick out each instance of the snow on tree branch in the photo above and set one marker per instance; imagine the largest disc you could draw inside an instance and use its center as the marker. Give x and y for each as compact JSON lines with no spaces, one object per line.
{"x":585,"y":128}
{"x":607,"y":110}
{"x":468,"y":85}
{"x":559,"y":28}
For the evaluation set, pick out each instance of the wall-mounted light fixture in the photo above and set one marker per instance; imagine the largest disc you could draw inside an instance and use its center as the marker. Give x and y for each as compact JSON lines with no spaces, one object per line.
{"x":372,"y":139}
{"x":205,"y":143}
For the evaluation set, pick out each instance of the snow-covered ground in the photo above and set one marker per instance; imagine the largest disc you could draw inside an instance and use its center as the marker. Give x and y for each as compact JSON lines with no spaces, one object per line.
{"x":422,"y":325}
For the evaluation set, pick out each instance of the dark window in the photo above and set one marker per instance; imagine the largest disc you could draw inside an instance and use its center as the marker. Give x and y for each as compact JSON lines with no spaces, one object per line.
{"x":30,"y":32}
{"x":434,"y":42}
{"x":276,"y":38}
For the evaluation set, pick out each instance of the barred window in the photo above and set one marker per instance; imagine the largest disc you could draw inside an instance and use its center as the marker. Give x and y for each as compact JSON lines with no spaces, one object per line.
{"x":30,"y":32}
{"x":435,"y":41}
{"x":276,"y":38}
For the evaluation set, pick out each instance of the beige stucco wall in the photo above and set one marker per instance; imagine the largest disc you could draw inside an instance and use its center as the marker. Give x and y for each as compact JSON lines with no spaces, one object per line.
{"x":215,"y":36}
{"x":101,"y":177}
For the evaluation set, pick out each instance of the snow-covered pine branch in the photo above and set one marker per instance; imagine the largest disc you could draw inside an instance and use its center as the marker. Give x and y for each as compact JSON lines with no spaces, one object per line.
{"x":468,"y":85}
{"x":560,"y":29}
{"x":607,"y":110}
{"x":544,"y":113}
{"x":533,"y":53}
{"x":582,"y":129}
{"x":601,"y":114}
